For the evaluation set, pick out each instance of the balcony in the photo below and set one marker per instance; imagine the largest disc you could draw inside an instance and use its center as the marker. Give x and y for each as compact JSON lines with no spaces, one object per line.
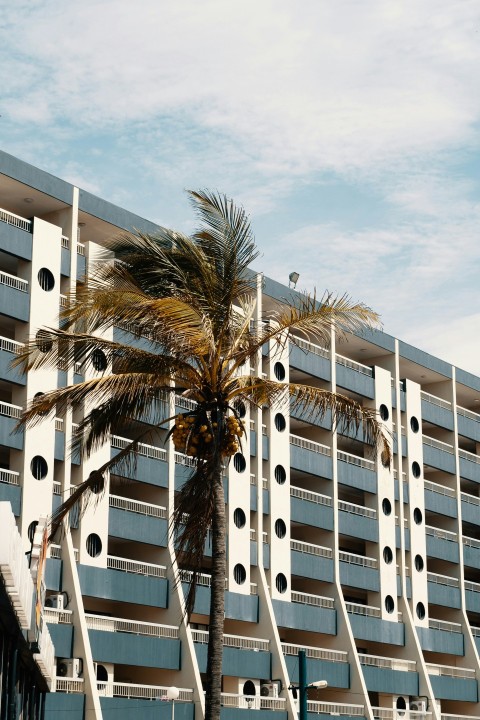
{"x":330,"y":665}
{"x":16,"y":235}
{"x":328,"y":709}
{"x":442,"y":544}
{"x":470,"y":508}
{"x":126,"y":580}
{"x":367,"y":624}
{"x":443,"y":590}
{"x":61,"y":630}
{"x":253,"y":702}
{"x":354,"y":376}
{"x":138,"y":521}
{"x":148,"y":463}
{"x":310,"y":457}
{"x":359,"y":571}
{"x":242,"y":656}
{"x":472,"y":596}
{"x":437,"y":411}
{"x":389,"y":675}
{"x":131,"y":642}
{"x":237,"y":606}
{"x":311,"y":508}
{"x":10,"y":490}
{"x":14,"y":297}
{"x":310,"y":358}
{"x":9,"y":349}
{"x":438,"y":454}
{"x":121,"y":700}
{"x":468,"y":423}
{"x":442,"y":636}
{"x":469,"y":465}
{"x":440,"y":499}
{"x":357,"y":521}
{"x":356,"y":472}
{"x":311,"y":561}
{"x":383,"y":713}
{"x":9,"y":416}
{"x":453,"y":683}
{"x":313,"y":613}
{"x":471,"y":552}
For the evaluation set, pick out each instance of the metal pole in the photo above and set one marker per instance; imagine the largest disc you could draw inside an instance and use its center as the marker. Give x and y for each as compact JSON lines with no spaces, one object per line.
{"x":302,"y":683}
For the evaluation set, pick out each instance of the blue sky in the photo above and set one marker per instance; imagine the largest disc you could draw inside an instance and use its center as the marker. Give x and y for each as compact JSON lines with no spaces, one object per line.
{"x":349,"y":131}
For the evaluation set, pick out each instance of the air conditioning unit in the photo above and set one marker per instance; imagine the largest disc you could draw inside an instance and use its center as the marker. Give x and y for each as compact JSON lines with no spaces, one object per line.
{"x":269,"y":690}
{"x":418,"y":705}
{"x":56,"y":601}
{"x":70,"y":667}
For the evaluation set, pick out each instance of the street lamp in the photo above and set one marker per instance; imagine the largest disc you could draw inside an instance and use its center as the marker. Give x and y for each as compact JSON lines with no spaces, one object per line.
{"x":303,"y":686}
{"x":173,"y":694}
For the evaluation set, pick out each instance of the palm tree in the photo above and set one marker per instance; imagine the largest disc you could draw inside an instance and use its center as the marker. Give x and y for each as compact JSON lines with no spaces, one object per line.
{"x":194,"y":298}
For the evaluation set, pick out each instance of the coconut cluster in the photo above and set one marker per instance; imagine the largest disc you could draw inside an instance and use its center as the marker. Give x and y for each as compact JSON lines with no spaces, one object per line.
{"x":191,"y":436}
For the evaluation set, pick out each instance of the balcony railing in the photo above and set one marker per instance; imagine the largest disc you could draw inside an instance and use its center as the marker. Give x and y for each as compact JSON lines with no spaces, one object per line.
{"x":437,"y":444}
{"x":136,"y":567}
{"x":445,"y":625}
{"x":439,"y":489}
{"x":182,"y":459}
{"x":146,"y":692}
{"x":9,"y":410}
{"x":470,"y":499}
{"x":441,"y":534}
{"x":310,"y":347}
{"x":310,"y":549}
{"x":354,"y":365}
{"x":233,"y":641}
{"x":13,"y":281}
{"x":69,"y":685}
{"x":470,"y":542}
{"x":151,"y":451}
{"x":332,"y":708}
{"x":80,"y":248}
{"x":354,"y":559}
{"x":385,"y":662}
{"x":309,"y":599}
{"x":449,"y":671}
{"x":339,"y":656}
{"x":310,"y":496}
{"x":185,"y":403}
{"x":442,"y":579}
{"x":252,"y":702}
{"x":9,"y":476}
{"x":434,"y":400}
{"x":366,"y":610}
{"x":468,"y":413}
{"x":472,"y":586}
{"x":355,"y":460}
{"x":469,"y":456}
{"x":357,"y":509}
{"x":383,"y":713}
{"x":11,"y":346}
{"x":310,"y":445}
{"x":65,"y":242}
{"x":136,"y":627}
{"x":142,"y":508}
{"x":15,"y":220}
{"x":56,"y":617}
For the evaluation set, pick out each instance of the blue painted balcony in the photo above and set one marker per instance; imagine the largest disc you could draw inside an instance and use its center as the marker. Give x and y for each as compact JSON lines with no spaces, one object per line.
{"x":131,"y":642}
{"x":437,"y":411}
{"x":81,"y":262}
{"x":10,"y":490}
{"x":442,"y":637}
{"x":356,"y":472}
{"x":442,"y":544}
{"x":240,"y":707}
{"x":16,"y":235}
{"x":149,"y":463}
{"x":472,"y":596}
{"x":9,"y":349}
{"x":126,"y":580}
{"x":312,"y":613}
{"x":453,"y":683}
{"x":367,"y":624}
{"x":326,"y":710}
{"x":310,"y":358}
{"x":122,"y":701}
{"x":9,"y":416}
{"x":329,"y":665}
{"x":389,"y":675}
{"x":470,"y":508}
{"x":53,"y":571}
{"x":242,"y":656}
{"x":253,"y":494}
{"x":127,"y":335}
{"x":252,"y":437}
{"x":310,"y":457}
{"x":471,"y":552}
{"x":359,"y":571}
{"x":65,"y":258}
{"x":300,"y":412}
{"x":67,"y":702}
{"x":237,"y":606}
{"x":354,"y":376}
{"x":443,"y":590}
{"x":468,"y":424}
{"x":310,"y":508}
{"x":311,"y":561}
{"x":357,"y":521}
{"x":14,"y":297}
{"x":469,"y":465}
{"x":440,"y":499}
{"x":61,"y":630}
{"x":439,"y":455}
{"x":138,"y":521}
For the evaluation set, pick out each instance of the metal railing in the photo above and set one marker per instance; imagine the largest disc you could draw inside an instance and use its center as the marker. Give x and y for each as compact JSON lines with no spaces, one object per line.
{"x":470,"y":542}
{"x":449,"y":670}
{"x":333,"y":708}
{"x":354,"y":365}
{"x":15,"y":220}
{"x":136,"y":567}
{"x":252,"y":702}
{"x":9,"y":410}
{"x":448,"y":716}
{"x":472,"y":586}
{"x":437,"y":444}
{"x":13,"y":281}
{"x":235,"y":641}
{"x":182,"y":459}
{"x":69,"y":685}
{"x":310,"y":347}
{"x":65,"y":242}
{"x":151,"y":451}
{"x":310,"y":549}
{"x":185,"y":403}
{"x":11,"y":346}
{"x":355,"y":460}
{"x":446,"y":625}
{"x":146,"y":692}
{"x":137,"y":627}
{"x":469,"y":456}
{"x":354,"y":559}
{"x":439,"y":489}
{"x":434,"y":400}
{"x":203,"y":579}
{"x":441,"y":534}
{"x":470,"y":499}
{"x":387,"y":662}
{"x":310,"y":445}
{"x":63,"y":301}
{"x":10,"y":477}
{"x":383,"y":713}
{"x":310,"y":496}
{"x":309,"y":599}
{"x":59,"y":424}
{"x":57,"y":487}
{"x":57,"y":617}
{"x":366,"y":610}
{"x":357,"y":509}
{"x":80,"y":248}
{"x":315,"y":652}
{"x":468,"y":413}
{"x":442,"y":579}
{"x":142,"y":508}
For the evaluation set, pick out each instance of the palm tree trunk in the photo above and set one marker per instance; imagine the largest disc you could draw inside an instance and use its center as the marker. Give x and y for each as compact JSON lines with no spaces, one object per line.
{"x":217,"y":598}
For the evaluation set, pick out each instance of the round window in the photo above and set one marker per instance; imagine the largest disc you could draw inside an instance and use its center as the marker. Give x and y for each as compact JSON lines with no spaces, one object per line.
{"x":280,"y":474}
{"x":420,"y":611}
{"x":389,"y":604}
{"x":417,"y":516}
{"x":94,"y":545}
{"x":239,"y":518}
{"x":279,"y":371}
{"x":280,"y":422}
{"x":419,"y":563}
{"x":384,"y":414}
{"x":239,"y":574}
{"x":280,"y":528}
{"x":46,"y":279}
{"x":281,"y":583}
{"x":387,"y":555}
{"x":43,"y":341}
{"x":31,"y":530}
{"x":414,"y":424}
{"x":239,"y":463}
{"x":99,"y":360}
{"x":416,"y":472}
{"x":39,"y":467}
{"x":240,"y":408}
{"x":386,"y":506}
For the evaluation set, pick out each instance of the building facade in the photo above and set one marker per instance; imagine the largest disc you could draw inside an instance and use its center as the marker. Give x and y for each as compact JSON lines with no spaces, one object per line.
{"x":374,"y":572}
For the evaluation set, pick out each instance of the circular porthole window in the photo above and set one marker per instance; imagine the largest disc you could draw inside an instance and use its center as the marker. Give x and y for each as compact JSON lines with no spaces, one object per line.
{"x":240,"y":408}
{"x":239,"y":518}
{"x":37,"y":396}
{"x":239,"y":463}
{"x":384,"y":414}
{"x":419,"y":563}
{"x":401,"y":706}
{"x":280,"y":528}
{"x":389,"y":604}
{"x":387,"y":555}
{"x":280,"y":474}
{"x":386,"y":506}
{"x":416,"y":472}
{"x":279,"y":371}
{"x":420,"y":609}
{"x":281,"y":583}
{"x":280,"y":422}
{"x":417,"y":516}
{"x":46,"y":279}
{"x":99,"y":360}
{"x":31,"y":530}
{"x":98,"y":485}
{"x":39,"y":467}
{"x":94,"y":545}
{"x":239,"y":574}
{"x":43,"y":341}
{"x":414,"y":424}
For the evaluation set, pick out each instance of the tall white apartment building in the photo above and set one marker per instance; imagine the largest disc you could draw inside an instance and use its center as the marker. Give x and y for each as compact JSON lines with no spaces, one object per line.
{"x":374,"y":572}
